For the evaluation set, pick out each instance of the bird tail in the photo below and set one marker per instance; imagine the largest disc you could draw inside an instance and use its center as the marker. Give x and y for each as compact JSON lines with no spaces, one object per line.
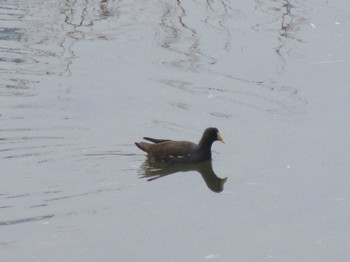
{"x":143,"y":146}
{"x":156,"y":141}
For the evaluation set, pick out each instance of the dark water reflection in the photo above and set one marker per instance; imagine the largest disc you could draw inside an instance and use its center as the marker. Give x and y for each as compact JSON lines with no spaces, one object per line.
{"x":154,"y":170}
{"x":288,"y":19}
{"x":36,"y":39}
{"x":51,"y":43}
{"x":183,"y":36}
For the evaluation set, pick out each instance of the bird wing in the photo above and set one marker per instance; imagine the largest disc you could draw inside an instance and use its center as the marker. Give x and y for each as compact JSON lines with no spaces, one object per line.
{"x":170,"y":149}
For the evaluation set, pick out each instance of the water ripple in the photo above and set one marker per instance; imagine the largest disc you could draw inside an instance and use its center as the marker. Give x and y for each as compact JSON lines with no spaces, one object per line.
{"x":25,"y":220}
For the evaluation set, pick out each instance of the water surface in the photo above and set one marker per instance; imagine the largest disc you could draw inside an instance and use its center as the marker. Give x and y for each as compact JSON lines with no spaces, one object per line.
{"x":81,"y":81}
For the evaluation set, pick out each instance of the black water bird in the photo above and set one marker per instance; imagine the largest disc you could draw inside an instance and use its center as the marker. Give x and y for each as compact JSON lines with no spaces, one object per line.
{"x":181,"y":151}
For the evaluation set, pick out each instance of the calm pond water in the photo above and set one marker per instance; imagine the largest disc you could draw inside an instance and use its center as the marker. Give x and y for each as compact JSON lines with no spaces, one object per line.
{"x":81,"y":81}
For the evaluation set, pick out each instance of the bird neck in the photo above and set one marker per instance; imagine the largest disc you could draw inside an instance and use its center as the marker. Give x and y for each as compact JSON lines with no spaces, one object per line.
{"x":205,"y":144}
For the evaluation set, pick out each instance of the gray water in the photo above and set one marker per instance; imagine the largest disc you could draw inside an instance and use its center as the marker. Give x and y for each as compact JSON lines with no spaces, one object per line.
{"x":81,"y":81}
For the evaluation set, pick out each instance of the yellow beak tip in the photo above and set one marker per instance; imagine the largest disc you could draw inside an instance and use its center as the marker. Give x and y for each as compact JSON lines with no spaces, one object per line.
{"x":220,"y":138}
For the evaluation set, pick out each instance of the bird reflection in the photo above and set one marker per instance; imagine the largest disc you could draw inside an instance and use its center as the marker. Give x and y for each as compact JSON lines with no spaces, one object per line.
{"x":154,"y":170}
